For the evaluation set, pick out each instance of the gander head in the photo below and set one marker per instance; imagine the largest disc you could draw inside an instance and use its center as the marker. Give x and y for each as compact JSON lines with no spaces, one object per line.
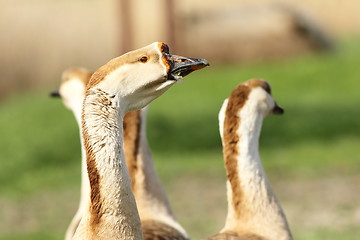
{"x":255,"y":96}
{"x":140,"y":76}
{"x":260,"y":97}
{"x":72,"y":87}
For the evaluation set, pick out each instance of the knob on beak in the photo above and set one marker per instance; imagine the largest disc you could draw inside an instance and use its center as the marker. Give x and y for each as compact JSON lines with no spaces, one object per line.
{"x":182,"y":66}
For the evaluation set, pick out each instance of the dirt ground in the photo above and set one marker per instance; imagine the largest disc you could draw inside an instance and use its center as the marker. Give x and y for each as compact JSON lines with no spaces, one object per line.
{"x":310,"y":205}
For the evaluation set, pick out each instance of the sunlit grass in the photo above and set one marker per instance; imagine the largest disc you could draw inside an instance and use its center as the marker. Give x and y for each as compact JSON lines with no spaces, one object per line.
{"x":325,"y":234}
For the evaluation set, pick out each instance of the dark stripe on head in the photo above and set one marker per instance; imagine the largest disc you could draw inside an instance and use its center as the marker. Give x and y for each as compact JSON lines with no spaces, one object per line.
{"x":255,"y":82}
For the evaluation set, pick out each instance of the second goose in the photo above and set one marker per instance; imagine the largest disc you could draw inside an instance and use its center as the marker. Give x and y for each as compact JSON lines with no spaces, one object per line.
{"x":254,"y":212}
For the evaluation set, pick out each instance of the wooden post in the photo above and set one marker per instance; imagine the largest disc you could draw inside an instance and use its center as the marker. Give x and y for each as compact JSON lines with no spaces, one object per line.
{"x":126,"y":26}
{"x":170,"y":18}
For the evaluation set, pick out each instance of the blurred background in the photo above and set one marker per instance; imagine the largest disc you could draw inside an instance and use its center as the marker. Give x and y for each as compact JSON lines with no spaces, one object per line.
{"x":308,"y":50}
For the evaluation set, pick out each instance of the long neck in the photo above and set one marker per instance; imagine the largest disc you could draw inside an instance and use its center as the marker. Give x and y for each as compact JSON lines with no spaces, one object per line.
{"x":150,"y":196}
{"x":112,"y":211}
{"x":252,"y":205}
{"x":85,"y":186}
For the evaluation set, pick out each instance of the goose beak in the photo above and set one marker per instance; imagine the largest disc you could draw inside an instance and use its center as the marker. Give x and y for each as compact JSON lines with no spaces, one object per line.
{"x":277,"y":110}
{"x":55,"y":93}
{"x":182,"y":66}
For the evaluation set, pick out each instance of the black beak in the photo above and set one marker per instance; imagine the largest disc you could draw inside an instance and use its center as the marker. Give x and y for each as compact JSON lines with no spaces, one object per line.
{"x":182,"y":66}
{"x":55,"y":93}
{"x":277,"y":110}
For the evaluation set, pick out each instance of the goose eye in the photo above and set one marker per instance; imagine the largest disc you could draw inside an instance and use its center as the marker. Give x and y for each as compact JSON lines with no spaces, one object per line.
{"x":144,"y":59}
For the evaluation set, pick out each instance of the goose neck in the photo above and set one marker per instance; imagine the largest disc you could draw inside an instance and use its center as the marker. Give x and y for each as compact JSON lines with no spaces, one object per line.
{"x":110,"y":187}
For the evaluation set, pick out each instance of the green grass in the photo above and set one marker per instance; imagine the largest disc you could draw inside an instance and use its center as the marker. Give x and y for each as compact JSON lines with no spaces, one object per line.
{"x":325,"y":234}
{"x":317,"y":137}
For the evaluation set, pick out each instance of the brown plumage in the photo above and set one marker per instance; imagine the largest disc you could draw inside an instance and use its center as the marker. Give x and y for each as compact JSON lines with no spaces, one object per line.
{"x":155,"y":230}
{"x":235,"y":236}
{"x":94,"y":177}
{"x":131,"y":125}
{"x":237,"y":100}
{"x":82,"y":74}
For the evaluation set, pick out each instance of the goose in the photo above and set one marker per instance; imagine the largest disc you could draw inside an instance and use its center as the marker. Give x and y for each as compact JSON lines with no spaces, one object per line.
{"x":72,"y":91}
{"x":126,"y":83}
{"x":156,"y":215}
{"x":254,"y":213}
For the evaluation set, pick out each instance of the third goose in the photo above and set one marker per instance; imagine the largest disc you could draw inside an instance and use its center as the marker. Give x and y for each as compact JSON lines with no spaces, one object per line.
{"x":157,"y":218}
{"x":72,"y":91}
{"x":254,"y":212}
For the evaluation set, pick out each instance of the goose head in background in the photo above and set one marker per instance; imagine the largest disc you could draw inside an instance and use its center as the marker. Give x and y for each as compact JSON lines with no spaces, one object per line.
{"x":72,"y":89}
